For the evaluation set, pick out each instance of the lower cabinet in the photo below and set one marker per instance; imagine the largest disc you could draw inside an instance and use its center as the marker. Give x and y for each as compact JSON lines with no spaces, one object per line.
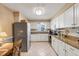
{"x":58,"y":46}
{"x":55,"y":44}
{"x":71,"y":50}
{"x":39,"y":37}
{"x":69,"y":54}
{"x":63,"y":49}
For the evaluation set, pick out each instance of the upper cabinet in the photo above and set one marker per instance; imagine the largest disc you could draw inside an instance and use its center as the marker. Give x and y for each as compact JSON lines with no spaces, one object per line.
{"x":61,"y":21}
{"x":68,"y":17}
{"x":77,"y":15}
{"x":71,"y":16}
{"x":56,"y":23}
{"x":52,"y":24}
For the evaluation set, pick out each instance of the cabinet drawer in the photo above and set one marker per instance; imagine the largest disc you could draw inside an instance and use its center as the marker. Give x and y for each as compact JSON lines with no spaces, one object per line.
{"x":69,"y":53}
{"x":72,"y":50}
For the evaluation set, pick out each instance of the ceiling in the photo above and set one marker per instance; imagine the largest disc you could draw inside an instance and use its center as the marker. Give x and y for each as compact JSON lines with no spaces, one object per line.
{"x":50,"y":9}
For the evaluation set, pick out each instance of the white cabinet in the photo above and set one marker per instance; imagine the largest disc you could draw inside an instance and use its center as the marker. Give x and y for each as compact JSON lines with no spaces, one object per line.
{"x":65,"y":19}
{"x":61,"y":21}
{"x":53,"y":26}
{"x":72,"y":50}
{"x":77,"y":15}
{"x":71,"y":16}
{"x":39,"y":37}
{"x":55,"y":43}
{"x":61,"y":48}
{"x":56,"y":23}
{"x":43,"y":37}
{"x":35,"y":37}
{"x":58,"y":46}
{"x":69,"y":53}
{"x":68,"y":17}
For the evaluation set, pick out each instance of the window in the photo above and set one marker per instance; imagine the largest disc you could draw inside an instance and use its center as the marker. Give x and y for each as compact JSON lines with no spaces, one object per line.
{"x":41,"y":27}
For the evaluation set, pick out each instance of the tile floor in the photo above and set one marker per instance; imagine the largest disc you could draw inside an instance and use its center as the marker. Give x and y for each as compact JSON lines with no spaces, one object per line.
{"x":39,"y":49}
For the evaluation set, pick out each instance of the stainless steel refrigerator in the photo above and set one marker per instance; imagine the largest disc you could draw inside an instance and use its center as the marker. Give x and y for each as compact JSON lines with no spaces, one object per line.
{"x":21,"y":31}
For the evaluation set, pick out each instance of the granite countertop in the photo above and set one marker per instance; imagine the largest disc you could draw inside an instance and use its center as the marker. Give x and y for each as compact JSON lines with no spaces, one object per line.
{"x":73,"y":41}
{"x":39,"y":32}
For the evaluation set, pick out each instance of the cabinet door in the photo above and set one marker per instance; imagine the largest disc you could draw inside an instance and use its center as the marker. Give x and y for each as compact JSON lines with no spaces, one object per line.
{"x":43,"y":37}
{"x":69,"y":53}
{"x":68,"y":17}
{"x":77,"y":14}
{"x":58,"y":46}
{"x":56,"y":22}
{"x":72,"y":50}
{"x":61,"y":49}
{"x":52,"y":43}
{"x":55,"y":44}
{"x":53,"y":24}
{"x":35,"y":37}
{"x":61,"y":21}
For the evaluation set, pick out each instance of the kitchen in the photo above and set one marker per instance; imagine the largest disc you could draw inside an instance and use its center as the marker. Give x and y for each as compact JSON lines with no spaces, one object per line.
{"x":60,"y":19}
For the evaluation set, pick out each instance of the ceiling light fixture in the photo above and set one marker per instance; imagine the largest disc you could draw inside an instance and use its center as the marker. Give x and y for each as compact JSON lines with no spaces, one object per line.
{"x":39,"y":10}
